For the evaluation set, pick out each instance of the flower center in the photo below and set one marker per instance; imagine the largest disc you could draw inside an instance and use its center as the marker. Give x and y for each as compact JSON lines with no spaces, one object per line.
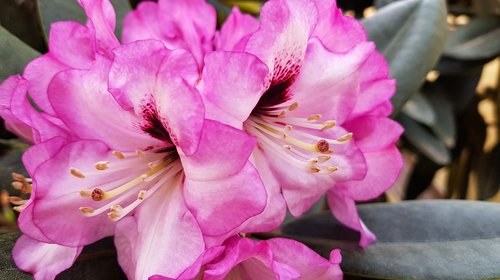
{"x":142,"y":174}
{"x":295,"y":138}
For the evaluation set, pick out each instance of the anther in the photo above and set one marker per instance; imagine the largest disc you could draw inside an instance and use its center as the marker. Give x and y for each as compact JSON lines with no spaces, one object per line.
{"x":288,"y":128}
{"x":16,"y":200}
{"x":331,"y":169}
{"x":101,"y":165}
{"x":139,"y":153}
{"x":97,"y":194}
{"x":141,"y":195}
{"x":294,"y":106}
{"x":151,"y":165}
{"x":17,"y":185}
{"x":86,"y":210}
{"x":323,"y":146}
{"x":313,"y":118}
{"x":284,"y":135}
{"x":113,"y":215}
{"x":288,"y":147}
{"x":314,"y":169}
{"x":323,"y":158}
{"x":345,"y":138}
{"x":85,"y":193}
{"x":328,"y":124}
{"x":282,"y":114}
{"x":75,"y":172}
{"x":118,"y":154}
{"x":19,"y":208}
{"x":313,"y":160}
{"x":18,"y":177}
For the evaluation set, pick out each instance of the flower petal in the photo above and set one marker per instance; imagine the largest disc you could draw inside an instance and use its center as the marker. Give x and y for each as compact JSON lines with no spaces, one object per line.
{"x":338,"y":33}
{"x":57,"y":198}
{"x":71,"y":44}
{"x":209,"y":201}
{"x":11,"y":87}
{"x":374,"y":133}
{"x":383,"y":168}
{"x":231,"y":86}
{"x":328,"y":83}
{"x":101,"y":23}
{"x":282,"y":38}
{"x":344,"y":209}
{"x":235,"y":31}
{"x":82,"y":101}
{"x":163,"y":238}
{"x":43,"y":260}
{"x":142,"y":23}
{"x":220,"y":158}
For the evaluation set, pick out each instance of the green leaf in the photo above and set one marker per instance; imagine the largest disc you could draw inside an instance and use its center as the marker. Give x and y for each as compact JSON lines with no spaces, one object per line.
{"x":444,"y":127}
{"x":488,"y":177}
{"x":477,"y":40}
{"x":14,"y":54}
{"x":433,"y":239}
{"x":411,"y":36}
{"x":62,"y":10}
{"x":425,"y":141}
{"x":419,"y":109}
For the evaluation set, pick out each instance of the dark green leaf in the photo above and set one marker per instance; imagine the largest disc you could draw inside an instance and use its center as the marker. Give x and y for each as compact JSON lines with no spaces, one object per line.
{"x":444,"y":127}
{"x":411,"y":35}
{"x":438,"y":239}
{"x":63,"y":10}
{"x":14,"y":54}
{"x":488,"y":175}
{"x":425,"y":141}
{"x":475,"y":41}
{"x":419,"y":109}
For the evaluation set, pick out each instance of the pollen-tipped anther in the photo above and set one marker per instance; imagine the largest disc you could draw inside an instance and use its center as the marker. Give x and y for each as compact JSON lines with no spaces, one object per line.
{"x":331,"y":169}
{"x":16,"y":200}
{"x":18,"y":177}
{"x":313,"y":118}
{"x":17,"y":185}
{"x":101,"y":165}
{"x":328,"y":124}
{"x":314,"y":169}
{"x":85,"y":193}
{"x":97,"y":194}
{"x":294,"y":106}
{"x":142,"y":194}
{"x":282,"y":114}
{"x":86,"y":210}
{"x":345,"y":138}
{"x":118,"y":154}
{"x":139,"y":153}
{"x":77,"y":173}
{"x":288,"y":147}
{"x":323,"y":158}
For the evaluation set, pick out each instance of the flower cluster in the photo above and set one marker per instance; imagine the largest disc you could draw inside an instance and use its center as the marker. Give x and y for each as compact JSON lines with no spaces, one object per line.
{"x":181,"y":139}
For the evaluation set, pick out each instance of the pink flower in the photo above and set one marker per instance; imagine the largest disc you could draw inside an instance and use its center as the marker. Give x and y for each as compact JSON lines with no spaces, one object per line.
{"x":321,"y":120}
{"x":139,"y":161}
{"x":277,"y":258}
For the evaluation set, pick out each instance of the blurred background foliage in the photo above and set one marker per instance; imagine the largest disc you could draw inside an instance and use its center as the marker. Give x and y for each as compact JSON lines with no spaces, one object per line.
{"x":444,"y":57}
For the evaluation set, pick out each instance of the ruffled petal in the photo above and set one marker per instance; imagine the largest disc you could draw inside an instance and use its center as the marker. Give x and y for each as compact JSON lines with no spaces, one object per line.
{"x":71,"y":44}
{"x":155,"y":82}
{"x":163,"y":238}
{"x":231,"y":86}
{"x":235,"y":31}
{"x":344,"y":209}
{"x":12,"y":86}
{"x":221,"y":158}
{"x":142,"y":24}
{"x":282,"y":38}
{"x":339,"y":33}
{"x":383,"y":168}
{"x":43,"y":260}
{"x":328,"y":83}
{"x":82,"y":101}
{"x":57,"y":199}
{"x":374,"y":133}
{"x":209,"y":201}
{"x":101,"y":23}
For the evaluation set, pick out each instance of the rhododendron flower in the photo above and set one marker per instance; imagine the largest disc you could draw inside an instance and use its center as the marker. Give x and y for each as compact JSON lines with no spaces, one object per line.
{"x":138,"y":160}
{"x":277,"y":258}
{"x":321,"y":121}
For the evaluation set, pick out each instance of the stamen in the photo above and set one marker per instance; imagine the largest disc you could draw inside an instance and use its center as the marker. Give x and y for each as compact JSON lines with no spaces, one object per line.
{"x":118,"y":154}
{"x":17,"y":185}
{"x":101,"y":165}
{"x":282,"y":114}
{"x":97,"y":194}
{"x":86,"y":210}
{"x":16,"y":200}
{"x":139,"y":153}
{"x":19,"y":208}
{"x":328,"y":124}
{"x":332,"y":169}
{"x":313,"y":118}
{"x":345,"y":138}
{"x":323,"y":158}
{"x":315,"y":169}
{"x":18,"y":177}
{"x":288,"y":147}
{"x":75,"y":172}
{"x":85,"y":193}
{"x":294,"y":106}
{"x":323,"y":146}
{"x":116,"y":211}
{"x":288,"y":128}
{"x":141,"y":194}
{"x":313,"y":160}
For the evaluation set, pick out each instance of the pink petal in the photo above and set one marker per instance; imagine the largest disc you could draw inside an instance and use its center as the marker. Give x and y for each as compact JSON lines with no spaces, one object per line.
{"x":220,"y":158}
{"x":43,"y":260}
{"x":308,"y":263}
{"x":374,"y":133}
{"x":338,"y":33}
{"x":11,"y":87}
{"x":383,"y":168}
{"x":142,"y":24}
{"x":71,"y":44}
{"x":162,"y":239}
{"x":282,"y":38}
{"x":209,"y":201}
{"x":235,"y":31}
{"x":57,"y":198}
{"x":344,"y":209}
{"x":231,"y":86}
{"x":328,"y":82}
{"x":101,"y":23}
{"x":145,"y":74}
{"x":82,"y":101}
